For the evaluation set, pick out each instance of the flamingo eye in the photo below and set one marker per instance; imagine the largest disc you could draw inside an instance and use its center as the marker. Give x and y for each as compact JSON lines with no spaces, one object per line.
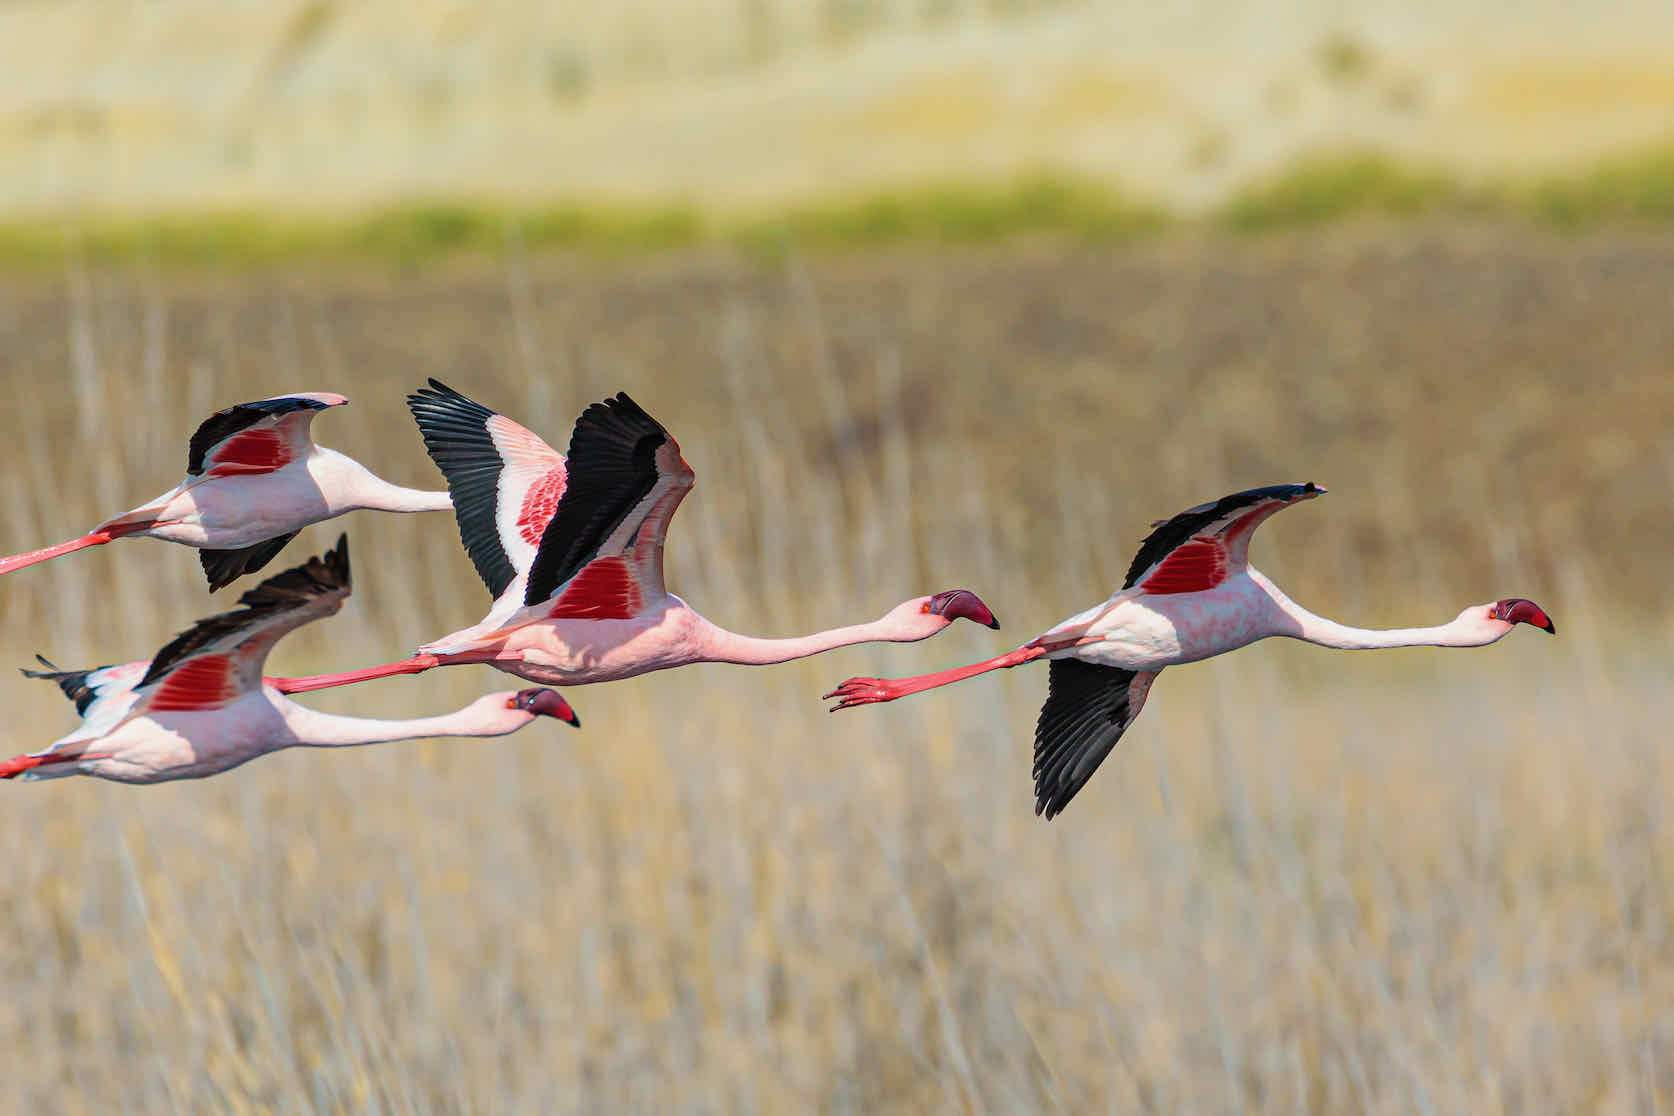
{"x":511,"y":703}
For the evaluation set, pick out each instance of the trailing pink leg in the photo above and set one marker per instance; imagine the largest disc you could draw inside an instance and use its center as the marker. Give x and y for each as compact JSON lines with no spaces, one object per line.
{"x":46,"y":553}
{"x":868,"y":691}
{"x":17,"y":765}
{"x":418,"y":664}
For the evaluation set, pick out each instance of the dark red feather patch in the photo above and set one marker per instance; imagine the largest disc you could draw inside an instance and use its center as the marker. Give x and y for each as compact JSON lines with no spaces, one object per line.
{"x":1193,"y":567}
{"x":201,"y":683}
{"x":604,"y":590}
{"x":250,"y":453}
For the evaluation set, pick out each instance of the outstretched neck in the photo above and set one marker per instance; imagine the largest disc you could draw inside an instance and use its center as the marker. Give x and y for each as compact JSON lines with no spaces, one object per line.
{"x":721,"y":646}
{"x":1297,"y":622}
{"x":381,"y":495}
{"x":358,"y":488}
{"x":1329,"y":633}
{"x":313,"y":729}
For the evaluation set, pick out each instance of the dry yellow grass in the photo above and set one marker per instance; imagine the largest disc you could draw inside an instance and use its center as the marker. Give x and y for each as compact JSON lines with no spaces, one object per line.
{"x":1408,"y":882}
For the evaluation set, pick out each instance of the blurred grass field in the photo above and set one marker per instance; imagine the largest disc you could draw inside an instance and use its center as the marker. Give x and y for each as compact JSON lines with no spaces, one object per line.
{"x":1415,"y":881}
{"x":311,"y":109}
{"x":1631,"y":191}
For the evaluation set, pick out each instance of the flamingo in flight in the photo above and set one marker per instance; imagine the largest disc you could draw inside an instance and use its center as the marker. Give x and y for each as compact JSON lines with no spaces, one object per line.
{"x":254,"y":478}
{"x":1190,"y":594}
{"x":573,"y":552}
{"x":201,"y":706}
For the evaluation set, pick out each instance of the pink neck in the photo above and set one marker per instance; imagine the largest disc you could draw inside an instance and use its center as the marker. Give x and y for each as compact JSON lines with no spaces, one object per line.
{"x":348,"y":485}
{"x":1328,"y":633}
{"x":312,"y":729}
{"x":722,"y":646}
{"x":383,"y":496}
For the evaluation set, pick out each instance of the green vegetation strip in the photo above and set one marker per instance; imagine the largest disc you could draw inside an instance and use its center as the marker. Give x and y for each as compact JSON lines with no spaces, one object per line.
{"x":1638,"y":188}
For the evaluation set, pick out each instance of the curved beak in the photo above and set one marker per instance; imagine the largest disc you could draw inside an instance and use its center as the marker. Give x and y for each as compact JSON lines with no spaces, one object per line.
{"x":956,"y":604}
{"x":1520,"y":610}
{"x":547,"y":703}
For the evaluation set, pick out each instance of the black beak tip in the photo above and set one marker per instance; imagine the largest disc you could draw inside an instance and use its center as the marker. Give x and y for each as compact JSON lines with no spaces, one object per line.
{"x":574,"y":721}
{"x":1550,"y":628}
{"x":994,"y":622}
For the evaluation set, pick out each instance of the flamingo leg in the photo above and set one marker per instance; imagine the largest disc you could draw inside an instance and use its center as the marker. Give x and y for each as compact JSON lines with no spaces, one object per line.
{"x":33,"y":557}
{"x":17,"y":765}
{"x":868,"y":691}
{"x":418,"y":664}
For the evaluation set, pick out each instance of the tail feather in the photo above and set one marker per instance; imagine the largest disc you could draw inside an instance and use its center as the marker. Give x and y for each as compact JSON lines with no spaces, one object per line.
{"x":72,"y":682}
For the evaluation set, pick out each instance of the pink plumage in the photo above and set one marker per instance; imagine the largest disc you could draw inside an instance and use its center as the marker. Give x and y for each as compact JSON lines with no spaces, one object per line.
{"x":1190,"y":594}
{"x":254,"y":478}
{"x":588,"y":604}
{"x":200,"y":706}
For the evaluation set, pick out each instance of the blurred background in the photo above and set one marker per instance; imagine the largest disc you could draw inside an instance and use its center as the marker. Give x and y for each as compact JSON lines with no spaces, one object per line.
{"x":934,"y":294}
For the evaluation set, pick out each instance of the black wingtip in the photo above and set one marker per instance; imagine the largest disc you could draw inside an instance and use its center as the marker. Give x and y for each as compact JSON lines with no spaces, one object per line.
{"x":223,"y":567}
{"x":612,"y":465}
{"x":435,"y":391}
{"x":337,"y":561}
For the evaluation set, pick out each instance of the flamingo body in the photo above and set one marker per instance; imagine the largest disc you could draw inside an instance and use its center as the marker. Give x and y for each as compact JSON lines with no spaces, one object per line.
{"x":201,"y":706}
{"x":588,"y":603}
{"x":194,"y":744}
{"x":254,"y":478}
{"x":1189,"y":595}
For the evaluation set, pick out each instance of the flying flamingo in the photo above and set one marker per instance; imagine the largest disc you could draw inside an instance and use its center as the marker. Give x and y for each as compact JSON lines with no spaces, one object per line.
{"x":254,"y":478}
{"x":580,"y":594}
{"x":1190,"y":594}
{"x":201,"y":707}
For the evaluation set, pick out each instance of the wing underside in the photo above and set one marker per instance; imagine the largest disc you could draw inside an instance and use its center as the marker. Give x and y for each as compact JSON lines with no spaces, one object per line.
{"x":259,"y":437}
{"x":1088,"y":708}
{"x":504,"y":480}
{"x":1203,"y":546}
{"x":601,"y":556}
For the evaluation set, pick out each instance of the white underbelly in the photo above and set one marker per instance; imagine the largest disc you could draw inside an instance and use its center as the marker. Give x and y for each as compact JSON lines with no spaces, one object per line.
{"x":1149,"y":633}
{"x":579,"y":652}
{"x":179,"y":746}
{"x":254,"y":510}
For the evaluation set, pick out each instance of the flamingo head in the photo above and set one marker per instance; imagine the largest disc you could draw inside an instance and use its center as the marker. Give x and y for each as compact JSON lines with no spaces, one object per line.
{"x":956,"y":604}
{"x":1520,"y":610}
{"x":540,"y":702}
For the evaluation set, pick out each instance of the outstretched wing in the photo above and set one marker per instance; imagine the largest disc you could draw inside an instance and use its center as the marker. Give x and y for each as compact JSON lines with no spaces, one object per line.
{"x":223,"y":567}
{"x":1203,"y":546}
{"x":1088,"y":708}
{"x":219,"y":659}
{"x":505,"y":482}
{"x":601,"y":557}
{"x":251,"y":438}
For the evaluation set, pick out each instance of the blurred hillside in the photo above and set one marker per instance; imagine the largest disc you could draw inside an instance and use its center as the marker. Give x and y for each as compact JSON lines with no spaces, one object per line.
{"x":317,"y":105}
